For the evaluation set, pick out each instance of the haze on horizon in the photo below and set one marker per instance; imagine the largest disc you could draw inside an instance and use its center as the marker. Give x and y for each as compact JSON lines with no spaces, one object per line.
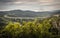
{"x":33,"y":5}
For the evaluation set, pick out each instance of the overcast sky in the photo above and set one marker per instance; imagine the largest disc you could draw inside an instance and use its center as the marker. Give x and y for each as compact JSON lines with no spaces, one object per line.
{"x":33,"y":5}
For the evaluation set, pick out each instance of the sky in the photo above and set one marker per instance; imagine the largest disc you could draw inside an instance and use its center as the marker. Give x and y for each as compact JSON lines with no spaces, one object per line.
{"x":32,"y":5}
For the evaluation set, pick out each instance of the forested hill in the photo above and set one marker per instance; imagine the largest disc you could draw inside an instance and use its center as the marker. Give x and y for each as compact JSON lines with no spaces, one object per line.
{"x":20,"y":13}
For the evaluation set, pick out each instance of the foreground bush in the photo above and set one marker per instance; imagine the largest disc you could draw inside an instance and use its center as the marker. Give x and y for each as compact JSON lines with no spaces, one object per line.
{"x":31,"y":29}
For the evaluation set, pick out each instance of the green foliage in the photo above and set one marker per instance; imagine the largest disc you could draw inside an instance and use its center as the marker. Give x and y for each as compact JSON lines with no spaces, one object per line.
{"x":30,"y":29}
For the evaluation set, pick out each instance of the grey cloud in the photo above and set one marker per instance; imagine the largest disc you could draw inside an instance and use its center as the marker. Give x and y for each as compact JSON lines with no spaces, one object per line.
{"x":7,"y":0}
{"x":29,"y":4}
{"x":28,"y":0}
{"x":17,"y":0}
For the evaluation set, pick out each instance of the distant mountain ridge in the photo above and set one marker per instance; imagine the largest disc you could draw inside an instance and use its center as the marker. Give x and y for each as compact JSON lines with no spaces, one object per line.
{"x":20,"y":13}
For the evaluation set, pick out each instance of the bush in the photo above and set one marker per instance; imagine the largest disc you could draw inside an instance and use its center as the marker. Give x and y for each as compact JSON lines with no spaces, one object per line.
{"x":31,"y":29}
